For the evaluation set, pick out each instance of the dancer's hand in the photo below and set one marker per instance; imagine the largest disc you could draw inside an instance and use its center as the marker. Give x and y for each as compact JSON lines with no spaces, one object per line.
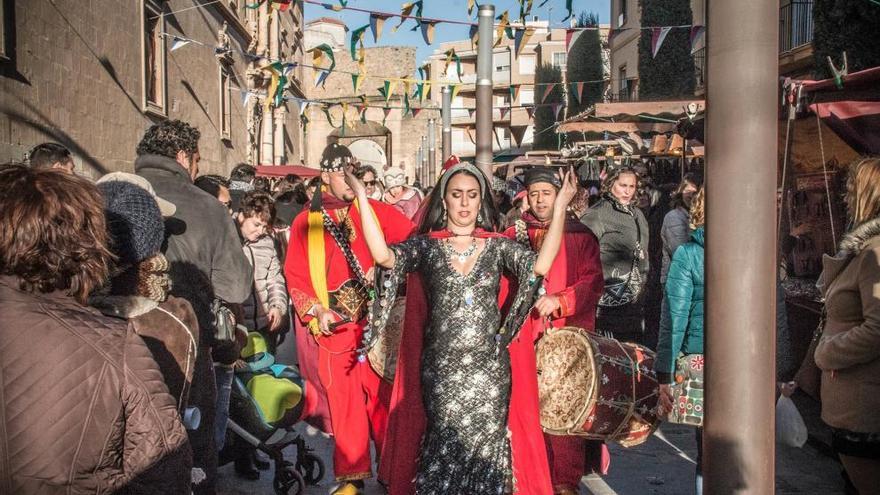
{"x":567,"y":191}
{"x":547,"y":305}
{"x":325,"y":317}
{"x":356,"y":185}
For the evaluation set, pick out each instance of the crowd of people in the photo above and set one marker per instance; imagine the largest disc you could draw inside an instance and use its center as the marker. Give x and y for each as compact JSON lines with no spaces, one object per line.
{"x":125,"y":306}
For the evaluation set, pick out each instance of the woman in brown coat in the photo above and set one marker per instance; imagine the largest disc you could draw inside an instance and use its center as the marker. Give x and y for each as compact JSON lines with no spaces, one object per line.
{"x":849,"y":351}
{"x":83,"y":405}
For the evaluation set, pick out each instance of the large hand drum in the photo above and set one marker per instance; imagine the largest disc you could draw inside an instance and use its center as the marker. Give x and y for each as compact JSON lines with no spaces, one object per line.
{"x":383,"y":354}
{"x":596,"y":387}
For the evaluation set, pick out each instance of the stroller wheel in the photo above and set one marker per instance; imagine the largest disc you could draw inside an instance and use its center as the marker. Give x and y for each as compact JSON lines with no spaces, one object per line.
{"x":311,"y":467}
{"x":288,"y":481}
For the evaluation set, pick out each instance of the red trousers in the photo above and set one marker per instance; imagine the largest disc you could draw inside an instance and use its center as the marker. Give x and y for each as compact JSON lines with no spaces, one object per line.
{"x":358,"y":401}
{"x":573,"y":457}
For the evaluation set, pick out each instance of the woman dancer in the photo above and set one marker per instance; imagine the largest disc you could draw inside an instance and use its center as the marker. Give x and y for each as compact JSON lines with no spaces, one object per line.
{"x":465,"y":371}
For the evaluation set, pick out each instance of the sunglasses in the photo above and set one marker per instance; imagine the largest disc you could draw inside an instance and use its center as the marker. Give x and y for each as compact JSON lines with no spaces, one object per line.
{"x":371,"y":182}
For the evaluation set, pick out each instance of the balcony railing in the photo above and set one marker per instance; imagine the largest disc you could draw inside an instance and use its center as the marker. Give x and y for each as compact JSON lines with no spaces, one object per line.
{"x":795,"y":25}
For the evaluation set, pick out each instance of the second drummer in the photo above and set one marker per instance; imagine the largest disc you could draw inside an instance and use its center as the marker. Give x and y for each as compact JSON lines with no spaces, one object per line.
{"x":572,"y":289}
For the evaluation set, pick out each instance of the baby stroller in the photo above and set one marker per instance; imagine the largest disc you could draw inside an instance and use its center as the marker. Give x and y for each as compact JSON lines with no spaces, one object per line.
{"x":267,"y":400}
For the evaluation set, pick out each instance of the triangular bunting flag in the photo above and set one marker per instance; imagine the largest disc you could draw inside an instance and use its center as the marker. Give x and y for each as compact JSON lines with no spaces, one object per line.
{"x":470,"y":6}
{"x":245,"y":97}
{"x":376,"y":23}
{"x":571,"y":36}
{"x":327,"y":114}
{"x":426,"y":90}
{"x":530,"y":110}
{"x":697,"y":33}
{"x":321,"y":77}
{"x":501,"y":26}
{"x":570,"y":9}
{"x":416,"y":111}
{"x":556,"y":108}
{"x":521,"y":39}
{"x":304,"y":120}
{"x":470,"y":133}
{"x":658,"y":34}
{"x":179,"y":43}
{"x":474,"y":34}
{"x":356,"y":81}
{"x":406,"y":12}
{"x":517,"y":133}
{"x":450,"y":56}
{"x":321,"y":51}
{"x":547,"y":90}
{"x":428,"y":31}
{"x":389,"y":89}
{"x":514,"y":93}
{"x":497,"y":139}
{"x":577,"y":88}
{"x":454,"y":91}
{"x":303,"y":105}
{"x":471,"y":112}
{"x":525,"y":8}
{"x":357,"y":36}
{"x":385,"y":112}
{"x":503,"y":111}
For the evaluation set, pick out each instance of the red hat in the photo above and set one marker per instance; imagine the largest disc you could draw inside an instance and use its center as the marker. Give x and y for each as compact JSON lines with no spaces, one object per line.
{"x":520,"y":195}
{"x":451,"y":162}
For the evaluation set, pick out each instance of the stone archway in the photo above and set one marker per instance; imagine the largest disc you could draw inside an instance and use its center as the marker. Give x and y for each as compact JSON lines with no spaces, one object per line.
{"x":369,"y":141}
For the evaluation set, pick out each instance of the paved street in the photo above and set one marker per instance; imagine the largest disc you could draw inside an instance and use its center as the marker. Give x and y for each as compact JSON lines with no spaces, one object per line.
{"x":663,"y":465}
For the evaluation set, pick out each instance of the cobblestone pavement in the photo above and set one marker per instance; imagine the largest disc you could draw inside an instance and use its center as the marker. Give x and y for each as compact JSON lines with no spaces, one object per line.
{"x":662,"y":465}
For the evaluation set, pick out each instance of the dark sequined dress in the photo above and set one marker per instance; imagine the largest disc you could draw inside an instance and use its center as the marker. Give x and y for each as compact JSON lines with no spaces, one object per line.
{"x":465,"y":382}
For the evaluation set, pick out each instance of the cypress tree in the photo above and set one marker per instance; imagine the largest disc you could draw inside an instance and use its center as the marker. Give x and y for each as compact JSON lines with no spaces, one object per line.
{"x":544,"y":117}
{"x":671,"y":74}
{"x":584,"y":63}
{"x":845,"y":25}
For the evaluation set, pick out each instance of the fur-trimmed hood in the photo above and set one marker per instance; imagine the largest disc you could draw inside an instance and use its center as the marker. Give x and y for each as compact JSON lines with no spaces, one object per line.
{"x":854,"y":242}
{"x":125,"y":307}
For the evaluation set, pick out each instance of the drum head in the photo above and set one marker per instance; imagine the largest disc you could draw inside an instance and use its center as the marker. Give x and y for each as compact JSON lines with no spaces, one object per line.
{"x":566,"y":379}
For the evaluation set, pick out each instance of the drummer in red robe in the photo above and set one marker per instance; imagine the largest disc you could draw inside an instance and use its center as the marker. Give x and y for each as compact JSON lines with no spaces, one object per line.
{"x":571,"y":289}
{"x":329,"y":275}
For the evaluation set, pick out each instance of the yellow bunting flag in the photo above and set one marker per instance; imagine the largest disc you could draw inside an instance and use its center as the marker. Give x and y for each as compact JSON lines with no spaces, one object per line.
{"x":503,"y":23}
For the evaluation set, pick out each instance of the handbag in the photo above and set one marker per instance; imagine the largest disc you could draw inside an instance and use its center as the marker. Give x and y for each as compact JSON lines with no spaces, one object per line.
{"x":687,"y":391}
{"x":224,"y":322}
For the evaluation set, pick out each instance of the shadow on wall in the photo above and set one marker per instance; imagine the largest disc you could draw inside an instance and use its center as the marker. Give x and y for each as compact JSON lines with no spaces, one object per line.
{"x":46,"y":127}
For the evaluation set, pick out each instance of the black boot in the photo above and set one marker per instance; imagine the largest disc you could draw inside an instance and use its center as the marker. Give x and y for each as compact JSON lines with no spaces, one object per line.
{"x":244,"y":467}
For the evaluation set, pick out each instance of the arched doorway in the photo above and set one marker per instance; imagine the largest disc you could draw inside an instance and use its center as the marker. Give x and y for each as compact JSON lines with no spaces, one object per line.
{"x":368,"y":152}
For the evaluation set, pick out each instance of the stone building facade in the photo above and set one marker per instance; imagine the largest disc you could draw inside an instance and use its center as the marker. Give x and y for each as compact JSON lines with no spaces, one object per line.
{"x":383,"y":140}
{"x":94,"y":75}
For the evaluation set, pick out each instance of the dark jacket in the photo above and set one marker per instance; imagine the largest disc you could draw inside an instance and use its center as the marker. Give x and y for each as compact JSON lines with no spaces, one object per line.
{"x":202,"y":246}
{"x":84,"y":408}
{"x":620,"y":230}
{"x":684,"y":294}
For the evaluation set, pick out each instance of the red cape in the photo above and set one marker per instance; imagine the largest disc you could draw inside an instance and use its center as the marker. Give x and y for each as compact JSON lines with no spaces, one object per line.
{"x":406,"y":423}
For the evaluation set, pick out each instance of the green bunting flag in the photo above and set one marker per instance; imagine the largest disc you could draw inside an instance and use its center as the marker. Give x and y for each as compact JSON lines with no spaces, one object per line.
{"x":406,"y":11}
{"x":387,"y":89}
{"x":321,"y":51}
{"x":357,"y":36}
{"x":450,"y":56}
{"x":278,"y":83}
{"x":514,"y":93}
{"x":470,"y":6}
{"x":525,"y":9}
{"x":304,"y":120}
{"x":327,"y":114}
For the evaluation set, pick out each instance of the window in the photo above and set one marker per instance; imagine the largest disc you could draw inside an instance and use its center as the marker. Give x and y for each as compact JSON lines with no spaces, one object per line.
{"x":527,"y":96}
{"x":559,"y":59}
{"x":225,"y":102}
{"x":526,"y":64}
{"x":621,"y":16}
{"x":4,"y":53}
{"x":153,"y":28}
{"x":621,"y":77}
{"x":501,"y":61}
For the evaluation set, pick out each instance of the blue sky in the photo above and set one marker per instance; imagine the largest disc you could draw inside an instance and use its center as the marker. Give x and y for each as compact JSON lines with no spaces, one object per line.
{"x":445,"y":9}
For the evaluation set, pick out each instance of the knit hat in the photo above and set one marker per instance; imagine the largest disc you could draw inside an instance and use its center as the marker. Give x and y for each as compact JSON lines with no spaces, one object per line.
{"x":134,"y":221}
{"x":394,"y":177}
{"x":335,"y":157}
{"x":166,"y":207}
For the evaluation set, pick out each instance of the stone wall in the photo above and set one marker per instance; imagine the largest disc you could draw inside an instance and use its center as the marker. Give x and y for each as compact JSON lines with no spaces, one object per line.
{"x":76,"y":76}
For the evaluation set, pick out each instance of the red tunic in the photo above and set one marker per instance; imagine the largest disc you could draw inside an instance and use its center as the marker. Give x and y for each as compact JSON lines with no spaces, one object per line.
{"x":346,"y":398}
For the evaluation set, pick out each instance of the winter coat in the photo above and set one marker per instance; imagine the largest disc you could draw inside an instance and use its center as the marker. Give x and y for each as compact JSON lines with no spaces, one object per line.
{"x":674,"y":233}
{"x":84,"y":405}
{"x":170,"y":331}
{"x":203,"y":246}
{"x":849,"y":351}
{"x":620,"y":230}
{"x":685,"y":296}
{"x":268,"y":290}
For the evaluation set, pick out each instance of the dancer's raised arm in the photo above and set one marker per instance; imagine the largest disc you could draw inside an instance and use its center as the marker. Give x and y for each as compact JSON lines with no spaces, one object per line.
{"x":373,"y":235}
{"x":550,"y":248}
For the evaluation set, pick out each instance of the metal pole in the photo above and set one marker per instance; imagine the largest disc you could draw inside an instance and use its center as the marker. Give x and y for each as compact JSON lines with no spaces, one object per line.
{"x":447,"y":123}
{"x":424,"y":163}
{"x":432,"y":150}
{"x":419,"y":166}
{"x":742,"y":84}
{"x":486,"y":16}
